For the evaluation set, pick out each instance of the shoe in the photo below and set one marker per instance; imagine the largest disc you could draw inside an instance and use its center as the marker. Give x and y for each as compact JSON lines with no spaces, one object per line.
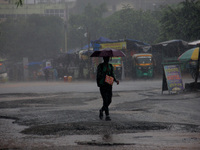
{"x":100,"y":114}
{"x":108,"y":118}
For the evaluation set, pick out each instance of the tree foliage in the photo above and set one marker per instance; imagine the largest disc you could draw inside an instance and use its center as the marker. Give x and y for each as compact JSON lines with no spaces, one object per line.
{"x":35,"y":37}
{"x":86,"y":26}
{"x":181,"y":21}
{"x":171,"y":22}
{"x":42,"y":37}
{"x":129,"y":23}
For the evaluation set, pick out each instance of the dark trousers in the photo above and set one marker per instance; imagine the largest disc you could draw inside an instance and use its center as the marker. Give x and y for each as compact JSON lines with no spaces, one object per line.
{"x":106,"y":93}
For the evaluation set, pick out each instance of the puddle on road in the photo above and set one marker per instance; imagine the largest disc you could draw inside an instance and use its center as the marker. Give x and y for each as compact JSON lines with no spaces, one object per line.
{"x":10,"y":136}
{"x":80,"y":128}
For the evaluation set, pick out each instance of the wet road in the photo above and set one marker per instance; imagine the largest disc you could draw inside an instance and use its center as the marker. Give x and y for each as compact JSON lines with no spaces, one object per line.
{"x":59,"y":115}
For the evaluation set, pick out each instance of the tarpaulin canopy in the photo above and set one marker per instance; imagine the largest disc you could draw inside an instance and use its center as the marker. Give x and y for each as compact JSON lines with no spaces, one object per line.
{"x":138,"y":42}
{"x":172,"y":42}
{"x":172,"y":48}
{"x":194,"y":42}
{"x":137,"y":45}
{"x":86,"y":46}
{"x":96,"y":43}
{"x":72,"y":51}
{"x":103,"y":40}
{"x":131,"y":43}
{"x":34,"y":63}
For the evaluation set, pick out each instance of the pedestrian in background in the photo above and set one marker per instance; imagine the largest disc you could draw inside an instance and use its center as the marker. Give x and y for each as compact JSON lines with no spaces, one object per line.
{"x":103,"y":71}
{"x":55,"y":74}
{"x":46,"y":74}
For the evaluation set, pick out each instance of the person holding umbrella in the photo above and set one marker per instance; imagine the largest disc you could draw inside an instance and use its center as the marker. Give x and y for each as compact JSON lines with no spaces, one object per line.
{"x":104,"y":69}
{"x":105,"y":77}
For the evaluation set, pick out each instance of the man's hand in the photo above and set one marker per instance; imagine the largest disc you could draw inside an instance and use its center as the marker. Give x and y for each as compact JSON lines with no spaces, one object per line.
{"x":117,"y":82}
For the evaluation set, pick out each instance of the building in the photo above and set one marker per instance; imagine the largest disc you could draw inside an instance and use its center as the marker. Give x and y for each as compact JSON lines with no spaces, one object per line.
{"x":62,"y":8}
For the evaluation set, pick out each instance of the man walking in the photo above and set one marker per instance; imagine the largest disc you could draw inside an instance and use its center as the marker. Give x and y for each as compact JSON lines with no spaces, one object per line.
{"x":105,"y":70}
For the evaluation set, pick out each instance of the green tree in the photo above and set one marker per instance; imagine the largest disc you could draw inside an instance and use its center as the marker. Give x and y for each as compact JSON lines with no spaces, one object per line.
{"x":36,"y":37}
{"x":126,"y":23}
{"x":86,"y":26}
{"x":134,"y":24}
{"x":182,"y":21}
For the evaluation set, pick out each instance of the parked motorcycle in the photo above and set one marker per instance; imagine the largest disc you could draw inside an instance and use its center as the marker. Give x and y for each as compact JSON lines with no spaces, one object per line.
{"x":193,"y":68}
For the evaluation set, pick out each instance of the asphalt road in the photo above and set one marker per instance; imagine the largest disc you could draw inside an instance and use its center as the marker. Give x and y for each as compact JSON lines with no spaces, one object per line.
{"x":61,"y":115}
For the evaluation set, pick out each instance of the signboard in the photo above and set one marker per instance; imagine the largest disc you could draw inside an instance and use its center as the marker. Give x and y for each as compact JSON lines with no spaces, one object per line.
{"x":118,"y":45}
{"x":48,"y":64}
{"x":172,"y":80}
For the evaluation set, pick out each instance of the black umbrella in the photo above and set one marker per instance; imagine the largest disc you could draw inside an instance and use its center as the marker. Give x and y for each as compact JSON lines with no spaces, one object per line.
{"x":108,"y":52}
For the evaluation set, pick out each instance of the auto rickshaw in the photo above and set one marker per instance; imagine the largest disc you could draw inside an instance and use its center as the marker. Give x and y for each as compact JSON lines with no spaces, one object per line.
{"x":143,"y":65}
{"x":117,"y":64}
{"x":3,"y":72}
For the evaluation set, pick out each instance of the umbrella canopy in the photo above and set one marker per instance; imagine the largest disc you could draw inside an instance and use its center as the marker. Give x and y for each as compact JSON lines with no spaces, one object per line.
{"x":108,"y":52}
{"x":191,"y":54}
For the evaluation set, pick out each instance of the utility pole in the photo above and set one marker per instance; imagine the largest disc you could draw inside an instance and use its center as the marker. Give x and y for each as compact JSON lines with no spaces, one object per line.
{"x":65,"y":26}
{"x":66,"y":18}
{"x":197,"y":69}
{"x":88,"y":38}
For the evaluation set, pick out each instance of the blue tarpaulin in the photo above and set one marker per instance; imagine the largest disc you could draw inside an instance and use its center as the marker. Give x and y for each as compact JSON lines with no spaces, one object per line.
{"x":96,"y":43}
{"x":104,"y":40}
{"x":34,"y":63}
{"x":86,"y":46}
{"x":72,"y":51}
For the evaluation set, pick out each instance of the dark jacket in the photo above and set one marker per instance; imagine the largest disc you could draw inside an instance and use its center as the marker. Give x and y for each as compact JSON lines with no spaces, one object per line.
{"x":101,"y":74}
